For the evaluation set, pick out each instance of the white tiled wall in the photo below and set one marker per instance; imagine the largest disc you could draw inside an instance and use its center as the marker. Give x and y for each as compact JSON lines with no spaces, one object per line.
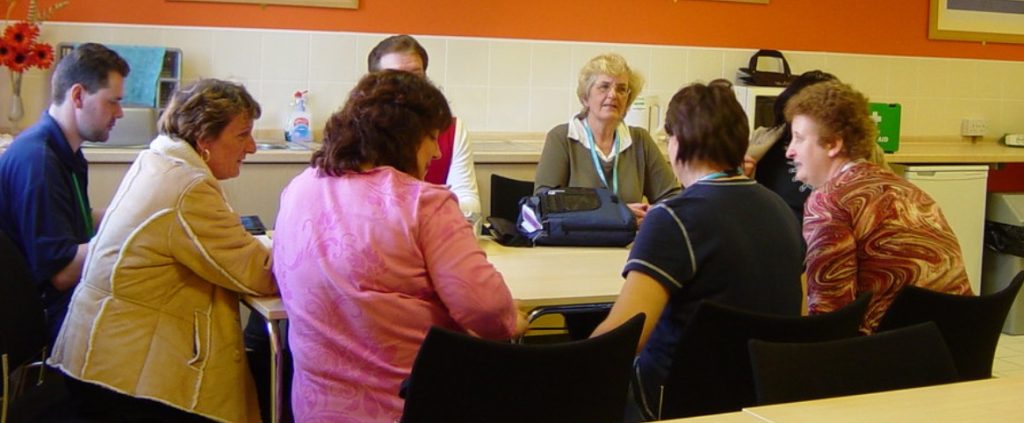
{"x":520,"y":85}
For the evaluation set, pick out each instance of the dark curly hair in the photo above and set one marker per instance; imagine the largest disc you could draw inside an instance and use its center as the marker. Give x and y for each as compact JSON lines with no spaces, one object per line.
{"x":382,"y":124}
{"x":709,"y":125}
{"x":841,"y":112}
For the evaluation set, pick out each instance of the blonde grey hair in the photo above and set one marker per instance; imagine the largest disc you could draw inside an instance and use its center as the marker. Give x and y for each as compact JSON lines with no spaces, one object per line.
{"x":610,"y":64}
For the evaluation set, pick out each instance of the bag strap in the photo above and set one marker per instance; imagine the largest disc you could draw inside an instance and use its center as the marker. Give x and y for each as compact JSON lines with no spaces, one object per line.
{"x":752,"y":65}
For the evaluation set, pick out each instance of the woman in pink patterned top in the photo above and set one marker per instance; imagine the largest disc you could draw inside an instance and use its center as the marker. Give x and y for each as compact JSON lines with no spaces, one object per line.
{"x":866,"y":228}
{"x":368,"y":256}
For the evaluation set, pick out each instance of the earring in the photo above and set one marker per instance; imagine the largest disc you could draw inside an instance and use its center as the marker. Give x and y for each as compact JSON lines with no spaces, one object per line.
{"x":205,"y":154}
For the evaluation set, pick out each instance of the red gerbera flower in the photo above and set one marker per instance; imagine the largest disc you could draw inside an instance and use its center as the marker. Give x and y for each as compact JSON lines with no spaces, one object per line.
{"x":41,"y":56}
{"x":21,"y":34}
{"x":19,"y":60}
{"x":5,"y":51}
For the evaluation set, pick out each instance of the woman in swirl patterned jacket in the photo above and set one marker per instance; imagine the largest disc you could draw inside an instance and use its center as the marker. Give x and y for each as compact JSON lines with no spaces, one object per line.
{"x":866,"y":228}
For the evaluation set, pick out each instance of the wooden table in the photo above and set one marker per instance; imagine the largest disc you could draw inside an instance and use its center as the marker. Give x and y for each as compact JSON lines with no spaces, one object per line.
{"x":545,"y":276}
{"x":733,"y":417}
{"x":988,"y":400}
{"x":538,"y":277}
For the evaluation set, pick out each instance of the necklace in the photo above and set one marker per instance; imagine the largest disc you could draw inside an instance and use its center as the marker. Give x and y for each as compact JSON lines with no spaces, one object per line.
{"x":721,"y":174}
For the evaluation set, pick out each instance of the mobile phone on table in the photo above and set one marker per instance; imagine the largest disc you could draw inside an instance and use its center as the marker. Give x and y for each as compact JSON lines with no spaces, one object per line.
{"x":254,"y":225}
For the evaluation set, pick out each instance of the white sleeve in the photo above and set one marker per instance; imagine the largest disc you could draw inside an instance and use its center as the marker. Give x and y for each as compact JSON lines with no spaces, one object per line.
{"x":461,"y":175}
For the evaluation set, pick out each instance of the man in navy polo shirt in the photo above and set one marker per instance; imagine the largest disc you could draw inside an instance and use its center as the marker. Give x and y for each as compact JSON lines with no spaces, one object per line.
{"x":44,"y":202}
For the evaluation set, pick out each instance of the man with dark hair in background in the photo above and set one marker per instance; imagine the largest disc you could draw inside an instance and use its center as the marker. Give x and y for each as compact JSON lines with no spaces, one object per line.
{"x":44,"y":202}
{"x":455,"y":167}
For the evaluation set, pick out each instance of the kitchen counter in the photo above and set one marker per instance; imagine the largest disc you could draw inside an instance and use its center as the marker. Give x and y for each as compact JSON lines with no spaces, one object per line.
{"x":525,"y":147}
{"x":511,"y":154}
{"x":297,"y":154}
{"x":487,"y":148}
{"x":943,"y":150}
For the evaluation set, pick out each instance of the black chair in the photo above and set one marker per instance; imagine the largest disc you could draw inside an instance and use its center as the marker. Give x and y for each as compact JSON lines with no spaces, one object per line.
{"x":459,"y":378}
{"x":710,"y":370}
{"x":898,"y":359}
{"x":970,"y":325}
{"x":505,"y":195}
{"x":22,"y":322}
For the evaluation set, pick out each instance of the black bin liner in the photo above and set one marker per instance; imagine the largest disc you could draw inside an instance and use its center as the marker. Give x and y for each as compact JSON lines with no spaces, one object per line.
{"x":1003,"y":238}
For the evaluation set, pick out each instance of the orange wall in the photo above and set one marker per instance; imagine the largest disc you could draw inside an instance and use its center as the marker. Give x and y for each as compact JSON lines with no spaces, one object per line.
{"x":898,"y":27}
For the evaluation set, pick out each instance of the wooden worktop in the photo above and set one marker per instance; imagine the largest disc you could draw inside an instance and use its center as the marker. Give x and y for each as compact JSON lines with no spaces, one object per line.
{"x":932,"y":150}
{"x":525,"y":147}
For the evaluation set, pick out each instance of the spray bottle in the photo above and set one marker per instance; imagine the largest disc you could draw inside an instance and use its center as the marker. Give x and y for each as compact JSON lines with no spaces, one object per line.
{"x":299,"y":126}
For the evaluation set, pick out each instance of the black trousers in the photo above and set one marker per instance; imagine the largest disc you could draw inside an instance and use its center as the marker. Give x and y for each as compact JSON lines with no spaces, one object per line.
{"x":99,"y":404}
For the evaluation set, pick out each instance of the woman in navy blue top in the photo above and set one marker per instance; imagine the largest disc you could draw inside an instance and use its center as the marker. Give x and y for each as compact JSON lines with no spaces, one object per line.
{"x":724,"y":238}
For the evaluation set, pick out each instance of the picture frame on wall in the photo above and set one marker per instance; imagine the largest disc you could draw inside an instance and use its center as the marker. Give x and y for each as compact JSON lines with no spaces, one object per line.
{"x":338,"y":4}
{"x":999,"y":21}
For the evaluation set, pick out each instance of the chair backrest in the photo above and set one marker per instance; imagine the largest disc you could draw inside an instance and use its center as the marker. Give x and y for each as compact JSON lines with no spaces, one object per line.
{"x":710,"y":370}
{"x":903,"y":358}
{"x":970,"y":325}
{"x":505,"y":195}
{"x":22,"y":321}
{"x":458,"y":378}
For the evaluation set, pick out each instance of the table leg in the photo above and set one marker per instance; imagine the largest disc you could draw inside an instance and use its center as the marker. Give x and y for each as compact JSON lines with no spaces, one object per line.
{"x":276,"y":391}
{"x":537,"y":312}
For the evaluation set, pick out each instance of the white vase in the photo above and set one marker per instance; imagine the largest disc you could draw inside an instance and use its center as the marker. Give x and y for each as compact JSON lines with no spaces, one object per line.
{"x":17,"y":110}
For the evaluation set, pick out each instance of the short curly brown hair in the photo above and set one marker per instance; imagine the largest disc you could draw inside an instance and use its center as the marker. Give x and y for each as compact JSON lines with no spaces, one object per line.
{"x":385,"y":119}
{"x":204,"y":108}
{"x":841,"y":112}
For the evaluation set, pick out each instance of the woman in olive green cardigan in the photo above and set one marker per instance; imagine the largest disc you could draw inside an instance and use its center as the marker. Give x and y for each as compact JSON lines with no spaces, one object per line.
{"x":631,"y":164}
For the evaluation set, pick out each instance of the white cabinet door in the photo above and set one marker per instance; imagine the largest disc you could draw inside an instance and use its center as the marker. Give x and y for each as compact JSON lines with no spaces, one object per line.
{"x":960,"y":193}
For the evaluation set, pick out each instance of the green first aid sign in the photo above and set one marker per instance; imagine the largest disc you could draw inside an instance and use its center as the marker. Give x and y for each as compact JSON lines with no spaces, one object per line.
{"x":887,"y":117}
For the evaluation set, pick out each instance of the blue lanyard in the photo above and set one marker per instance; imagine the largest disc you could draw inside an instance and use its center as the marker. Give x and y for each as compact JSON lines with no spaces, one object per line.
{"x":723,"y":174}
{"x":597,"y":164}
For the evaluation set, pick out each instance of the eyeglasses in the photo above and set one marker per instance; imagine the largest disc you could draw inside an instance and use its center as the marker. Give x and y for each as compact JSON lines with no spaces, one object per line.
{"x":620,"y":89}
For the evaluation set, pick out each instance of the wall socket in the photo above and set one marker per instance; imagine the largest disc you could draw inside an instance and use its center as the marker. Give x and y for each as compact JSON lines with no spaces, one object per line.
{"x":973,"y":127}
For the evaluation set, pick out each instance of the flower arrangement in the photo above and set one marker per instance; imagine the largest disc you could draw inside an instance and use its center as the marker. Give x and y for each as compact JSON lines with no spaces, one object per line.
{"x":21,"y":50}
{"x":19,"y":47}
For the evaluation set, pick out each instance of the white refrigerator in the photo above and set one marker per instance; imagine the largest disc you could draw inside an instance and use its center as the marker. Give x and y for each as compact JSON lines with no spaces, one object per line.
{"x":960,"y":192}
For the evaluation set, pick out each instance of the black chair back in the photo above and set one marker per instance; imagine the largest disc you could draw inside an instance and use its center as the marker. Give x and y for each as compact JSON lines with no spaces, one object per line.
{"x":460,"y":378}
{"x":970,"y":325}
{"x":902,"y":358}
{"x":505,"y":195}
{"x":711,"y":366}
{"x":22,"y":321}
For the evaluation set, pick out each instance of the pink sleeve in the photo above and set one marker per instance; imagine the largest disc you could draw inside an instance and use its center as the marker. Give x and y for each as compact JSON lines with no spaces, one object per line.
{"x":469,"y":286}
{"x":831,"y":255}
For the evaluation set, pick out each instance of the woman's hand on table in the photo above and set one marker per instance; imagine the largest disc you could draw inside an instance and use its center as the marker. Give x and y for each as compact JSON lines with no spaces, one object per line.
{"x":639,"y":211}
{"x":522,"y":325}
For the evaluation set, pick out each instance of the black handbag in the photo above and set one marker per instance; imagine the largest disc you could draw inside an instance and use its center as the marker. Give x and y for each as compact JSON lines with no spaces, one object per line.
{"x":577,"y":217}
{"x":750,"y":75}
